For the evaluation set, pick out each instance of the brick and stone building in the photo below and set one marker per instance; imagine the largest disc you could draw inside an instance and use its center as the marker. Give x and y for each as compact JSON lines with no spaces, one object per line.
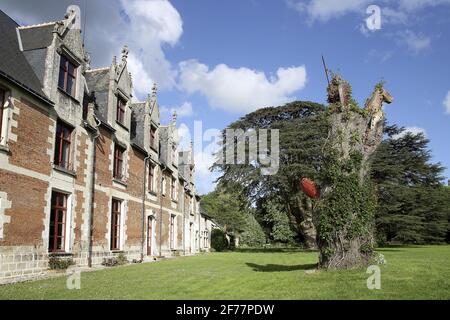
{"x":86,"y":173}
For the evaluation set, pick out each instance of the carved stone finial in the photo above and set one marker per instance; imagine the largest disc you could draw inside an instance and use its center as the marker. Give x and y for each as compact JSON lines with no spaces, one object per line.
{"x":174,"y":117}
{"x":125,"y":52}
{"x":154,"y":90}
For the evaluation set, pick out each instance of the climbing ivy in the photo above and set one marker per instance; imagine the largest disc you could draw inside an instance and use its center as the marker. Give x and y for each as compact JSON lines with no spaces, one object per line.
{"x":347,"y":212}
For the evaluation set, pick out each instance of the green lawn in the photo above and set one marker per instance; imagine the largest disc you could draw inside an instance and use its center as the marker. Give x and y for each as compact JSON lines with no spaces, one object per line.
{"x":410,"y":273}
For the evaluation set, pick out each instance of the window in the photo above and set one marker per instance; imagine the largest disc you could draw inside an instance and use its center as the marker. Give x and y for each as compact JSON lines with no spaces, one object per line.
{"x":115,"y":224}
{"x":67,"y":76}
{"x":163,"y":182}
{"x":174,"y":155}
{"x":121,"y":105}
{"x":172,"y":232}
{"x":118,"y":162}
{"x":152,"y":137}
{"x":57,"y":222}
{"x":62,"y":145}
{"x":173,"y":189}
{"x":151,"y":178}
{"x":2,"y":103}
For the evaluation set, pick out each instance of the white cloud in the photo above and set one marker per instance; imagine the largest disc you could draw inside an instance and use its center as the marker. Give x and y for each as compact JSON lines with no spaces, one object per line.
{"x":242,"y":89}
{"x":412,"y":130}
{"x":411,"y":5}
{"x":141,"y":79}
{"x":415,"y":42}
{"x":183,"y":111}
{"x":447,"y":103}
{"x":151,"y":24}
{"x":204,"y":177}
{"x":184,"y":137}
{"x":146,"y":26}
{"x":393,"y":16}
{"x":324,"y":10}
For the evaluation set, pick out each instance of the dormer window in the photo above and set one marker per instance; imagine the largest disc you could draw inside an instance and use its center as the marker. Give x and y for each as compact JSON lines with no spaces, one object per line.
{"x":153,"y":137}
{"x":121,"y":105}
{"x":67,"y":76}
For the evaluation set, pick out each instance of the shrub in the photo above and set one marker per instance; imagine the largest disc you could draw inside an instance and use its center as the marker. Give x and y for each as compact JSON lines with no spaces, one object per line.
{"x":121,"y":259}
{"x":59,"y":263}
{"x":219,"y":241}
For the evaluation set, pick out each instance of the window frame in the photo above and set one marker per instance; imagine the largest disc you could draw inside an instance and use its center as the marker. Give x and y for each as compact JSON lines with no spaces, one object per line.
{"x":172,"y":231}
{"x":152,"y":136}
{"x":121,"y":108}
{"x":173,"y":189}
{"x":53,"y":245}
{"x":163,"y":185}
{"x":64,"y":67}
{"x":60,"y":141}
{"x":116,"y":227}
{"x":151,"y":178}
{"x":119,"y":162}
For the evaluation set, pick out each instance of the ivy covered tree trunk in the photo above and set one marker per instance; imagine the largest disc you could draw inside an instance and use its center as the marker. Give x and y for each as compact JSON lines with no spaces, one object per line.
{"x":347,"y":205}
{"x":306,"y":225}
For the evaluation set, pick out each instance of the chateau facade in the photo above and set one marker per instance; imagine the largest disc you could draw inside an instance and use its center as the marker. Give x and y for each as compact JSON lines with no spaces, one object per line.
{"x":85,"y":173}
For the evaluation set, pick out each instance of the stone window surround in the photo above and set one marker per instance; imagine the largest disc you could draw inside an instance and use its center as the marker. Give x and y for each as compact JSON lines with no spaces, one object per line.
{"x":123,"y":178}
{"x":4,"y":204}
{"x":6,"y":117}
{"x":120,"y":94}
{"x":68,"y":222}
{"x":122,"y":218}
{"x":62,"y":50}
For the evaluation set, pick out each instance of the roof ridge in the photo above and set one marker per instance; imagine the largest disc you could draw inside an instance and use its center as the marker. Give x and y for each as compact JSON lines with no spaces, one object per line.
{"x":37,"y":25}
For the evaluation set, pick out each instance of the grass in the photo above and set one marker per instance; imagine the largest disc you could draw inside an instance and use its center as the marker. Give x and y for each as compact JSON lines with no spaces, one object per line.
{"x":410,"y":273}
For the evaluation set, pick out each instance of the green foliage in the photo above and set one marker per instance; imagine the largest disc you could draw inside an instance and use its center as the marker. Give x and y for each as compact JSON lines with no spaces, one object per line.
{"x":303,"y":130}
{"x":275,"y":216}
{"x":253,"y":235}
{"x":60,"y":263}
{"x":414,"y":206}
{"x":226,"y":208}
{"x":121,"y":259}
{"x":347,"y":212}
{"x":219,"y":241}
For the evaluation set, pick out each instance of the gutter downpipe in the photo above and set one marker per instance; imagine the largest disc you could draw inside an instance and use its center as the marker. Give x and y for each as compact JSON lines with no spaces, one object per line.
{"x":184,"y":219}
{"x":143,"y":206}
{"x":163,"y":168}
{"x":91,"y":215}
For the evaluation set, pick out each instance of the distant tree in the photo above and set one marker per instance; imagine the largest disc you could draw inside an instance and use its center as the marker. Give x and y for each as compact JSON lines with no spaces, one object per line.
{"x":253,"y":234}
{"x":232,"y":211}
{"x":226,"y":208}
{"x":413,"y":204}
{"x":275,"y":218}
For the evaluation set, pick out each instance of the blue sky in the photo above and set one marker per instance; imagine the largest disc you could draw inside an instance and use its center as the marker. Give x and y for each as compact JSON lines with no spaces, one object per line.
{"x":215,"y":61}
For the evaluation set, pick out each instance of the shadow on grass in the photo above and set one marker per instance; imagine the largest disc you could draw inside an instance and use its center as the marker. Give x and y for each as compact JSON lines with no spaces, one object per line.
{"x":271,"y":250}
{"x":279,"y":267}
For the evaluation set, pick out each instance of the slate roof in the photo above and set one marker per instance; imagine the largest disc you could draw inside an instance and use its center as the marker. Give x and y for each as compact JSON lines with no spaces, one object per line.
{"x":137,"y":124}
{"x":37,"y":37}
{"x":13,"y":64}
{"x":98,"y":82}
